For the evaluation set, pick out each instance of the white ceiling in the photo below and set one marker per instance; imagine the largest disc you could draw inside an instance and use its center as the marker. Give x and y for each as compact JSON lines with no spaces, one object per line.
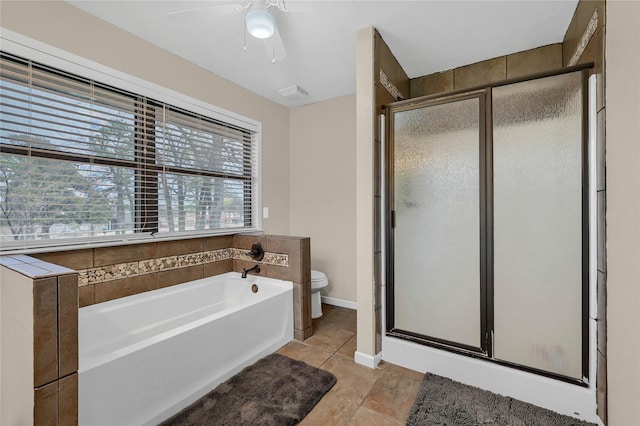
{"x":320,"y":37}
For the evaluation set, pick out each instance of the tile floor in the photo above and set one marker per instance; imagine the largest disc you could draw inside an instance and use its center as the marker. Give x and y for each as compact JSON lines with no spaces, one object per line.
{"x":361,"y":396}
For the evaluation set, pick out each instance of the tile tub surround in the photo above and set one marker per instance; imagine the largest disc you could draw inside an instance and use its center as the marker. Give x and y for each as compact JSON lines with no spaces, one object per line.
{"x":41,"y":299}
{"x":109,"y":273}
{"x":114,"y":272}
{"x":298,"y":270}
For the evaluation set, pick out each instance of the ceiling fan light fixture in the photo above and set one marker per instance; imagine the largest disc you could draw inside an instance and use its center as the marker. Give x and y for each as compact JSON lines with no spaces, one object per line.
{"x":260,"y":23}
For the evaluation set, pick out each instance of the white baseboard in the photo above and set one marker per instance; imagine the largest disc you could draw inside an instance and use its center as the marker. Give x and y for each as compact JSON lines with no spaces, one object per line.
{"x":564,"y":398}
{"x":368,"y":360}
{"x":339,"y":302}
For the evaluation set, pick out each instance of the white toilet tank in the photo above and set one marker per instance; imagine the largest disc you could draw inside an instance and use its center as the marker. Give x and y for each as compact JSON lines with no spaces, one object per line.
{"x":318,"y":279}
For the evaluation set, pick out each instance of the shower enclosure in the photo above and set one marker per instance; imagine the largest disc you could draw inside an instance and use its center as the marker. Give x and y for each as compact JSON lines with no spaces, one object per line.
{"x":488,"y":224}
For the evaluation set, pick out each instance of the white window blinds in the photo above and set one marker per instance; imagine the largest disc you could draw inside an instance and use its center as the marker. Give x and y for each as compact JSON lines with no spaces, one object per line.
{"x":83,"y":160}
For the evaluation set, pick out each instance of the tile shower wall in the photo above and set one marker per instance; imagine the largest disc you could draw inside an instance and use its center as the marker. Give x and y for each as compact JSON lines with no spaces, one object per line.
{"x":541,"y":59}
{"x":584,"y":42}
{"x":392,"y":84}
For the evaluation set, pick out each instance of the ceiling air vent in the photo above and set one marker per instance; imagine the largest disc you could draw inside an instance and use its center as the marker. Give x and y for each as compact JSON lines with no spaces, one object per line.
{"x":293,"y":92}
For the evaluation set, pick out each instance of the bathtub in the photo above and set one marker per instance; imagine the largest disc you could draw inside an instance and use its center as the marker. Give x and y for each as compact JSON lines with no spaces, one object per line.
{"x":145,"y":357}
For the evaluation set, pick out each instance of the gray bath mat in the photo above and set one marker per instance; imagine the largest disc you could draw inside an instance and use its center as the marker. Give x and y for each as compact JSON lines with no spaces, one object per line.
{"x":276,"y":390}
{"x":442,"y":401}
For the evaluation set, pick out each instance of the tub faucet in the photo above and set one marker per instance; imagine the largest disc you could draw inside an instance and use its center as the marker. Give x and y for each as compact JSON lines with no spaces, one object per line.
{"x":256,"y":269}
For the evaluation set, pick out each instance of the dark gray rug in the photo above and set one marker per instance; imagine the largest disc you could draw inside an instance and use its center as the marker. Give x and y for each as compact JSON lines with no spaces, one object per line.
{"x":442,"y":401}
{"x":276,"y":390}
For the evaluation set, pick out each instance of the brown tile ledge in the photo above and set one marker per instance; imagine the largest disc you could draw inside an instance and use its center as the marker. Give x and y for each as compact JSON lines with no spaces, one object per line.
{"x":32,"y":267}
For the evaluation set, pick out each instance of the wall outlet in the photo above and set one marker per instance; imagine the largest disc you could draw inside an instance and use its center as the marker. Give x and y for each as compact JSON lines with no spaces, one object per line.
{"x":265,"y":212}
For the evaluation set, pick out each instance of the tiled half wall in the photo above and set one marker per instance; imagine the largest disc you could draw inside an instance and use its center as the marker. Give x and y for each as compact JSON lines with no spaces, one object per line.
{"x":109,"y":273}
{"x":40,"y":321}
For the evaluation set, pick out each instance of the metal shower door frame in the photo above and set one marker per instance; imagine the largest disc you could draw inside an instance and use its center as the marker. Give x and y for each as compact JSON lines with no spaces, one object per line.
{"x":485,"y":351}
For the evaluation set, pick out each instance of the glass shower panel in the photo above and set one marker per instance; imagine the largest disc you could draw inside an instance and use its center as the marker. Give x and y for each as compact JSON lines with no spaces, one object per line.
{"x":436,"y":237}
{"x":537,"y":210}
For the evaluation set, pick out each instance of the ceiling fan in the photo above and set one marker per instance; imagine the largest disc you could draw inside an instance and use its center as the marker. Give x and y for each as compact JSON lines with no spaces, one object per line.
{"x":258,"y":22}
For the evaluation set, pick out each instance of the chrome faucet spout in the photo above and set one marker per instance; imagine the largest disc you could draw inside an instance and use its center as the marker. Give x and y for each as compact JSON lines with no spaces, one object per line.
{"x":255,"y":269}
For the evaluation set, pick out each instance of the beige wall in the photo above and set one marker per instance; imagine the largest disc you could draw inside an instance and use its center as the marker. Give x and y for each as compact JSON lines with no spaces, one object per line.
{"x":68,"y":28}
{"x":623,"y":211}
{"x":323,"y":179}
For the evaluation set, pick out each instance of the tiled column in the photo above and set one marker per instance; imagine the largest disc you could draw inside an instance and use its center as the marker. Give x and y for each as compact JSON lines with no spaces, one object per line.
{"x":297,"y":269}
{"x":49,"y":294}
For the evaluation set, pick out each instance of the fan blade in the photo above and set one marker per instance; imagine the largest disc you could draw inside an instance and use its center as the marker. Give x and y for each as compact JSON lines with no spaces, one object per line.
{"x":298,"y":6}
{"x":277,"y":3}
{"x":206,"y":12}
{"x":275,"y":47}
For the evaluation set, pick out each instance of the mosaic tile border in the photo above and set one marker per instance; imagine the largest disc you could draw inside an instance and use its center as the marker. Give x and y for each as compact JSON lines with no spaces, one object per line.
{"x":584,"y":40}
{"x":277,"y":259}
{"x":391,"y":88}
{"x":130,"y":269}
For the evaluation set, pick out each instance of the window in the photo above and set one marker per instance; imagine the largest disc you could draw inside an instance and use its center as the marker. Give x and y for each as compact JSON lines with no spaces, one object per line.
{"x":84,"y":160}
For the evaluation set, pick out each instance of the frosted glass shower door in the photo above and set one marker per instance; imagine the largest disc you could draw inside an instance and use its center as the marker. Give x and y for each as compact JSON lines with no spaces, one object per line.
{"x":538,"y":228}
{"x":436,"y":184}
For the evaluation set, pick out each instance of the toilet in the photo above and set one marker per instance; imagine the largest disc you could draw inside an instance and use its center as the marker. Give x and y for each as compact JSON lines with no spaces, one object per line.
{"x":318,"y":282}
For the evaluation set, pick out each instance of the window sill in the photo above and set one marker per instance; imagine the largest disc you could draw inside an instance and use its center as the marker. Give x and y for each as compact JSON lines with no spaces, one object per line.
{"x":62,"y":246}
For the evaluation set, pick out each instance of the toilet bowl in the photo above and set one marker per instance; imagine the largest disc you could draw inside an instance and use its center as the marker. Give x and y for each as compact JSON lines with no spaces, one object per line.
{"x":318,"y":282}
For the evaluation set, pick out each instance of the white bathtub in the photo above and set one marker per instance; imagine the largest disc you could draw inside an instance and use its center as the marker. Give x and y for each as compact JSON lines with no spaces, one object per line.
{"x":145,"y":357}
